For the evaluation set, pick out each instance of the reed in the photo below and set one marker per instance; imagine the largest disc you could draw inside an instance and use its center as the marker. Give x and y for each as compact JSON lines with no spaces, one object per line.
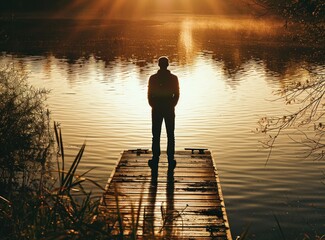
{"x":135,"y":217}
{"x":244,"y":234}
{"x":41,"y":198}
{"x":62,"y":208}
{"x":53,"y":207}
{"x":280,"y":228}
{"x":127,"y":226}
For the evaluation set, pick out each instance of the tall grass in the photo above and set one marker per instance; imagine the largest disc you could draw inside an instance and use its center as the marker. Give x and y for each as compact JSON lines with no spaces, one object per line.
{"x":50,"y":208}
{"x":37,"y":199}
{"x":58,"y":206}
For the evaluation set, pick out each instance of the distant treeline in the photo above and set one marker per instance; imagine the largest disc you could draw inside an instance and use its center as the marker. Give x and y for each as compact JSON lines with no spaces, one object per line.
{"x":32,"y":5}
{"x":194,"y":6}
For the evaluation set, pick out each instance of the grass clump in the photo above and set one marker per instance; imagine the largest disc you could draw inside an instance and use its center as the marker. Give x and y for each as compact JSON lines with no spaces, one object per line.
{"x":36,"y":201}
{"x":53,"y":207}
{"x":41,"y":197}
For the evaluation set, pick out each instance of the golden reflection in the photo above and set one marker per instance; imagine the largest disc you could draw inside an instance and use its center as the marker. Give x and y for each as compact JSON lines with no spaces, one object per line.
{"x":186,"y":42}
{"x":193,"y":88}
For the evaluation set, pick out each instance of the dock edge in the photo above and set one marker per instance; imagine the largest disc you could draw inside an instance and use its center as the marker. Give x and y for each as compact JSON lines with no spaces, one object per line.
{"x":223,"y":208}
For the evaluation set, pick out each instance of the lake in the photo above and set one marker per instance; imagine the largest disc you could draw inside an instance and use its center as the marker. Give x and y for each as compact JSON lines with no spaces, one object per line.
{"x":228,"y":70}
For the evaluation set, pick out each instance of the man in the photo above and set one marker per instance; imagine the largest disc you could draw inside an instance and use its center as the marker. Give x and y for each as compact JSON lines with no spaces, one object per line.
{"x":163,"y":95}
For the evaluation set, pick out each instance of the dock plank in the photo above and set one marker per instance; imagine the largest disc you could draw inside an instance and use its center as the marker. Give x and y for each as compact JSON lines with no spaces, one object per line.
{"x":186,"y":203}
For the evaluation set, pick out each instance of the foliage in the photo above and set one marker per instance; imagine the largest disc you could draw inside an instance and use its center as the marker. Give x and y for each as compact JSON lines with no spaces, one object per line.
{"x":309,"y":96}
{"x":24,"y":130}
{"x":34,"y":203}
{"x":310,"y":14}
{"x":37,"y":202}
{"x":311,"y":11}
{"x":58,"y":208}
{"x":62,"y":209}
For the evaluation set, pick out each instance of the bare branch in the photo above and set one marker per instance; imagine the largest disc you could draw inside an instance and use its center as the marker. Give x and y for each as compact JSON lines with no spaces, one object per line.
{"x":309,"y":96}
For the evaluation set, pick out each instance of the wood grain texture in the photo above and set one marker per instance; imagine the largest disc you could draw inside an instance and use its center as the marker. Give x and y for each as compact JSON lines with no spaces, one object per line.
{"x":186,"y":203}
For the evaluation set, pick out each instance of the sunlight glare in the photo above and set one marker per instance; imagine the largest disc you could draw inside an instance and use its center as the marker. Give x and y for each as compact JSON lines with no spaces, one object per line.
{"x":186,"y":41}
{"x":195,"y":85}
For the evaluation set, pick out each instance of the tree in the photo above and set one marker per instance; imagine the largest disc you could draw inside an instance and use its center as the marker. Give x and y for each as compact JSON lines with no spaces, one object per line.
{"x":308,"y":94}
{"x":307,"y":14}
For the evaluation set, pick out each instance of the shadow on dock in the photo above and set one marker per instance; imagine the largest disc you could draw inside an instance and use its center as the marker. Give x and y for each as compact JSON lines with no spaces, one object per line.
{"x":185,"y":203}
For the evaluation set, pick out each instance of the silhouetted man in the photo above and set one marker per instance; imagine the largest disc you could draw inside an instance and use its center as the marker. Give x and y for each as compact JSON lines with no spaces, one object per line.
{"x":163,"y":95}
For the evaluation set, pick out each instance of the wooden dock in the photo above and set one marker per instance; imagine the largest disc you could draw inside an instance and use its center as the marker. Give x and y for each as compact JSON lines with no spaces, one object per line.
{"x":185,"y":203}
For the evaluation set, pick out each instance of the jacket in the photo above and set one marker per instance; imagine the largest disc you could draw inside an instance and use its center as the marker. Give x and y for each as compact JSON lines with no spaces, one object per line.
{"x":163,"y":90}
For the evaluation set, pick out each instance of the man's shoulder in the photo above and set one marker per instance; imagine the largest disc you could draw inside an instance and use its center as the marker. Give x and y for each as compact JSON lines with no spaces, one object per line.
{"x":173,"y":76}
{"x":159,"y":74}
{"x":153,"y":76}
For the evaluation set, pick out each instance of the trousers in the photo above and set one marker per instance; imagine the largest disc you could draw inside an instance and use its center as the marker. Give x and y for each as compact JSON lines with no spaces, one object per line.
{"x":157,"y":117}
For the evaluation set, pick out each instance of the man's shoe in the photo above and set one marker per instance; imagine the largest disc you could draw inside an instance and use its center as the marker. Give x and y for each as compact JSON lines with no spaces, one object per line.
{"x":153,"y":164}
{"x":172,"y":164}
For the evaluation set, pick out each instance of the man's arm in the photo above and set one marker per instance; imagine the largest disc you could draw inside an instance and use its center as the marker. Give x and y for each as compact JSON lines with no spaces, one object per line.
{"x":150,"y":92}
{"x":176,"y":92}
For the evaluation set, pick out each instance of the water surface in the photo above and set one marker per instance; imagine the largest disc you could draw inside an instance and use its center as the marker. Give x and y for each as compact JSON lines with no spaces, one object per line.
{"x":98,"y":73}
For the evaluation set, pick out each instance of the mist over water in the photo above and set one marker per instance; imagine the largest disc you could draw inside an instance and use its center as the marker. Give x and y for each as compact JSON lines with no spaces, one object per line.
{"x":97,"y":73}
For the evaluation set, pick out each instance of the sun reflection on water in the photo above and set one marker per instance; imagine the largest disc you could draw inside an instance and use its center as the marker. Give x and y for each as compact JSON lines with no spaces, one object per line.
{"x":225,"y":88}
{"x":186,"y":42}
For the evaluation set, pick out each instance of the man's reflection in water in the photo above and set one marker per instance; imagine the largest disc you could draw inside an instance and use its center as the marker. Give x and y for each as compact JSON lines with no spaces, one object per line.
{"x":149,"y":218}
{"x":170,"y":212}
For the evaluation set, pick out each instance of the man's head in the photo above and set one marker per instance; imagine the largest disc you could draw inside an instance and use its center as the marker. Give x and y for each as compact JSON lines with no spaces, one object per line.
{"x":163,"y":62}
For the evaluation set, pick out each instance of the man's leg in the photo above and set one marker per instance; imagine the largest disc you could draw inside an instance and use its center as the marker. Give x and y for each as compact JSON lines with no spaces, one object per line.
{"x":157,"y":119}
{"x":170,"y":128}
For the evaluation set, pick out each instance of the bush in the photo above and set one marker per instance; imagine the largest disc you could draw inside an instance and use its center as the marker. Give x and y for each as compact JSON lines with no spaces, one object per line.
{"x":25,"y":138}
{"x":37,"y":202}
